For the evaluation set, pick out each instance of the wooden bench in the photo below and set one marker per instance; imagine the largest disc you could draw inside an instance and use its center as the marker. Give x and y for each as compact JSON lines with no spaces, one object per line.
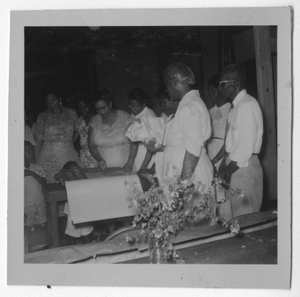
{"x":54,"y":193}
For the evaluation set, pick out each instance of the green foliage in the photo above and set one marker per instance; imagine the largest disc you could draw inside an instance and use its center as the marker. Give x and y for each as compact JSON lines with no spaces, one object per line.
{"x":166,"y":210}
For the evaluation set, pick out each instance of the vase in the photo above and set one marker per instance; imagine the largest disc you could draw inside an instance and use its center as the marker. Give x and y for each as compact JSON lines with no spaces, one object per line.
{"x":156,"y":252}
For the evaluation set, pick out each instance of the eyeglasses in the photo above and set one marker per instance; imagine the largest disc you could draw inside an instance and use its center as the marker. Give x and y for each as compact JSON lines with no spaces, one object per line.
{"x":223,"y":83}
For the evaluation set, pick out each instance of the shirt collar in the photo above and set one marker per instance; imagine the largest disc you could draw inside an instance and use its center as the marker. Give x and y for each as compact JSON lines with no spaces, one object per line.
{"x":238,"y":97}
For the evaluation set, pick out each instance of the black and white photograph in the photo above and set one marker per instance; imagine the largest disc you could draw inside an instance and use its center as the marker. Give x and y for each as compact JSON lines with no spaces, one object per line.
{"x":148,"y":137}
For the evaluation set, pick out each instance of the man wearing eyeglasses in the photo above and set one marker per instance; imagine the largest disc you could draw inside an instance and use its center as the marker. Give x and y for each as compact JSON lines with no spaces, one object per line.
{"x":240,"y":167}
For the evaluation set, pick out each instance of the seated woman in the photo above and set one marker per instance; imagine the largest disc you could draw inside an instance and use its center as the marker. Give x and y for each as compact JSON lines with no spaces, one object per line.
{"x":147,"y":126}
{"x":34,"y":198}
{"x":82,"y":128}
{"x":107,"y":141}
{"x":70,"y":234}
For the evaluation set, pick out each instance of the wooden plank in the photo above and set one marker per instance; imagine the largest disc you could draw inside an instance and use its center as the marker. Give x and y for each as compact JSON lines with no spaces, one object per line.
{"x":56,"y":196}
{"x":54,"y":225}
{"x":117,"y":248}
{"x":257,"y":247}
{"x":266,"y":100}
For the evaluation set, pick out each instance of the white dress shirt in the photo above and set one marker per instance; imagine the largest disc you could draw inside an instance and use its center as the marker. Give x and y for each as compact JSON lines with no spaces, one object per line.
{"x":244,"y":137}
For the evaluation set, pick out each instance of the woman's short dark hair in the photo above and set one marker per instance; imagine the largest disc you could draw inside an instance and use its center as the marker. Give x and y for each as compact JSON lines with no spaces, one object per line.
{"x":86,"y":99}
{"x":52,"y":92}
{"x":104,"y":94}
{"x":214,"y":80}
{"x":138,"y":95}
{"x":70,"y":165}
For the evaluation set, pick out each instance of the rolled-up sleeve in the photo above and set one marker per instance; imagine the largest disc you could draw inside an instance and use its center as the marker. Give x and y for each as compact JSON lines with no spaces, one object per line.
{"x":190,"y":123}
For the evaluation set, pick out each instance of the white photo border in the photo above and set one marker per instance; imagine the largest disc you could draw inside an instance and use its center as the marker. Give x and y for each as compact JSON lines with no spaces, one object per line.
{"x":222,"y":276}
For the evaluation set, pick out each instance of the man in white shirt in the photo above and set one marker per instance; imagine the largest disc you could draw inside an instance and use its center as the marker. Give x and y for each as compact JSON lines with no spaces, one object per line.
{"x":240,"y":167}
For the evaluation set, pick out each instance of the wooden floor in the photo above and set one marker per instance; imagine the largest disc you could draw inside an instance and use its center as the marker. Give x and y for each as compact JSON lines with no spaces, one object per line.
{"x":199,"y":245}
{"x":258,"y":247}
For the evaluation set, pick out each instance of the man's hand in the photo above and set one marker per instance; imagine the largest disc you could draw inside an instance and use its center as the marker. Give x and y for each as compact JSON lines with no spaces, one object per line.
{"x":222,"y":167}
{"x":225,"y":172}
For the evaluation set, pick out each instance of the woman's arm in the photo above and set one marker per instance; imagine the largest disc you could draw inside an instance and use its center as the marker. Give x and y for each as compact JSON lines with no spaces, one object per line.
{"x":146,"y":161}
{"x":38,"y":146}
{"x":75,"y":136}
{"x":39,"y":134}
{"x":132,"y":154}
{"x":190,"y":162}
{"x":93,"y":149}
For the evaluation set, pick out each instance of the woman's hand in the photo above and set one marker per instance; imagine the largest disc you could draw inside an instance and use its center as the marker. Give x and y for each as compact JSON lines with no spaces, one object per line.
{"x":102,"y":164}
{"x":151,"y":147}
{"x":128,"y":166}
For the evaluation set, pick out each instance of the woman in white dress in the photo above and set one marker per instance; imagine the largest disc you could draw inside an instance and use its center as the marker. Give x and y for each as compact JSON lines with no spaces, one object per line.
{"x":185,"y":153}
{"x":145,"y":122}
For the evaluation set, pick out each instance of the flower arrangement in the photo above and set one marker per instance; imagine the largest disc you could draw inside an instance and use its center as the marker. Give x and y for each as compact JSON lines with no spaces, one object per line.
{"x":166,"y":210}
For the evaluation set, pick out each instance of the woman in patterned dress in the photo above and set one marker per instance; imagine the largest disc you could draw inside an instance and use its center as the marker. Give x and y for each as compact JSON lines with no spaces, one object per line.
{"x":55,"y":137}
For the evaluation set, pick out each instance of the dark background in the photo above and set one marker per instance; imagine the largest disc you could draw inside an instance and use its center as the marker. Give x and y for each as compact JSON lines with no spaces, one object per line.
{"x":79,"y":61}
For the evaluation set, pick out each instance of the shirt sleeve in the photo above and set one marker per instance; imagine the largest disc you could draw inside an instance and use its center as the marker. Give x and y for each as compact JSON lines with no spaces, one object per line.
{"x":127,"y":119}
{"x":190,"y":123}
{"x":245,"y":134}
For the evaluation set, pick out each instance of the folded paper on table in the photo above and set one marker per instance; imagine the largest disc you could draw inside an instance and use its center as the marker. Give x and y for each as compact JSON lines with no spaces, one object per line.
{"x":101,"y":198}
